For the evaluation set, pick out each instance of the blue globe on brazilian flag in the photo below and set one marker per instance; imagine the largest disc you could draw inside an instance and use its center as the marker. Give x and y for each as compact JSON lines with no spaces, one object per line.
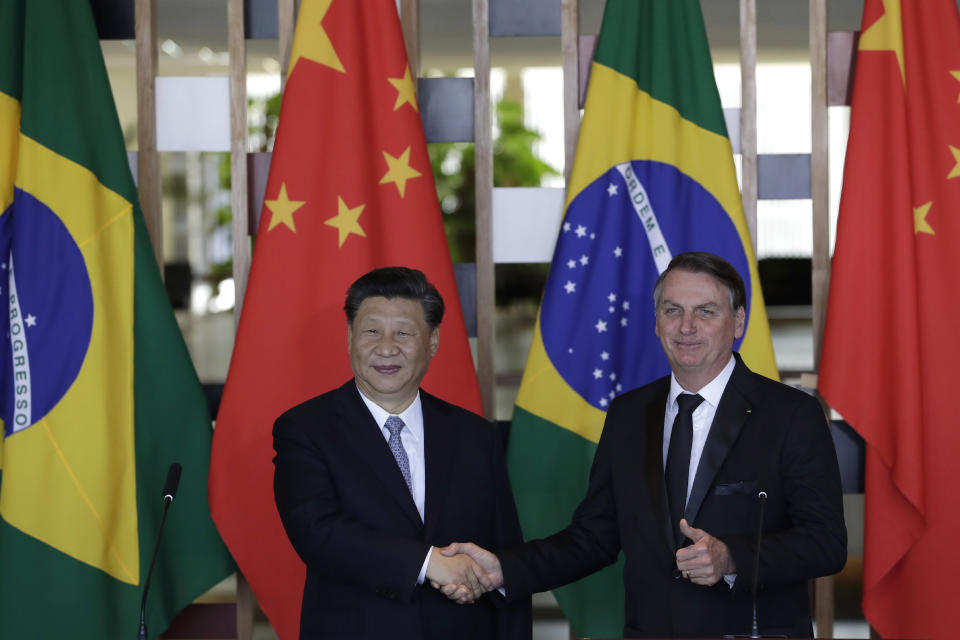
{"x":50,"y":309}
{"x":97,"y":392}
{"x":653,"y":177}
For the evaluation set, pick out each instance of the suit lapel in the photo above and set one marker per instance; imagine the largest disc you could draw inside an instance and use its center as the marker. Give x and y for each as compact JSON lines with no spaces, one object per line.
{"x":361,"y":430}
{"x":731,"y":414}
{"x":439,"y":447}
{"x":653,"y":464}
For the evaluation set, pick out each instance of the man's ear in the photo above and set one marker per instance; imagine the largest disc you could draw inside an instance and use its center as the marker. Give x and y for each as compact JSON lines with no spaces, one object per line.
{"x":434,"y":341}
{"x":741,"y":323}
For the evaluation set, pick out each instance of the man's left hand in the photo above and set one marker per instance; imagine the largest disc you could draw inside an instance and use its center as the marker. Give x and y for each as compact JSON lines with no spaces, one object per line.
{"x":706,"y":560}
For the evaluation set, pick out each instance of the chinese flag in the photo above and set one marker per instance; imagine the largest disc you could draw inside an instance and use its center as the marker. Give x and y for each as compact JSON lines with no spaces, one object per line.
{"x":350,"y":189}
{"x":892,"y":343}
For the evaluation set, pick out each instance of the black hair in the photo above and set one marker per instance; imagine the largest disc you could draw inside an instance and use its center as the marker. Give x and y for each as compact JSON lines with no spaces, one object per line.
{"x":703,"y":262}
{"x":395,"y":282}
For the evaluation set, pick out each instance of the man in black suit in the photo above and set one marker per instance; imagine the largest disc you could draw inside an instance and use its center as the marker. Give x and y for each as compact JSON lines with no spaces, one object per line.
{"x":676,"y":477}
{"x":372,"y":477}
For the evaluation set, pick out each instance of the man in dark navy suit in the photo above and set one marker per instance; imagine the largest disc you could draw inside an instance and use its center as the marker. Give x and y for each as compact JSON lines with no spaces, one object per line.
{"x":676,"y":477}
{"x":372,"y":477}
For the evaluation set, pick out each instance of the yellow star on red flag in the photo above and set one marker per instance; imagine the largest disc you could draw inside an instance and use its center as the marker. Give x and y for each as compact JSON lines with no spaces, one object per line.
{"x":886,"y":34}
{"x":955,"y":172}
{"x":283,"y":208}
{"x":346,"y":221}
{"x":311,"y":40}
{"x":920,"y":224}
{"x":406,"y":91}
{"x":956,"y":74}
{"x":399,"y":170}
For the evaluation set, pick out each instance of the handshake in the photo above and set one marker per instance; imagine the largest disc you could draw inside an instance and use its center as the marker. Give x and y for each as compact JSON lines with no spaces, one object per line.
{"x":463,"y":572}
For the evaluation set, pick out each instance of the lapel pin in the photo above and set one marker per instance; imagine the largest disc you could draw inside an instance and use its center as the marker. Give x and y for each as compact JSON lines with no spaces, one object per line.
{"x":749,"y":410}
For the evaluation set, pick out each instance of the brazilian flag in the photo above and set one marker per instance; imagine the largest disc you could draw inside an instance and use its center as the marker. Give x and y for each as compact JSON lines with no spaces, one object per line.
{"x":97,"y":392}
{"x":653,"y":177}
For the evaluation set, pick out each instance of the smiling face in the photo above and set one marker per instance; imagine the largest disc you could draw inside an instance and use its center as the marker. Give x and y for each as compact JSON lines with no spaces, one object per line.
{"x":696,"y":326}
{"x":391,"y":345}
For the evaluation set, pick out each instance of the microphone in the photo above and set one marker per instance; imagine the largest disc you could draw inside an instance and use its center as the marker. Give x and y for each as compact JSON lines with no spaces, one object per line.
{"x":169,"y":493}
{"x":173,"y":481}
{"x":755,"y":630}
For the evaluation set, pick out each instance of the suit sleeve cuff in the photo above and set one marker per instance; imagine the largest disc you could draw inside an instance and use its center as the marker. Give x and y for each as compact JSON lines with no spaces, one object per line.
{"x":423,"y":569}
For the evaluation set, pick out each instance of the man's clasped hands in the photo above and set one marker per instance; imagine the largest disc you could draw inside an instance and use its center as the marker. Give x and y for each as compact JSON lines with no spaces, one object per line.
{"x":463,"y":572}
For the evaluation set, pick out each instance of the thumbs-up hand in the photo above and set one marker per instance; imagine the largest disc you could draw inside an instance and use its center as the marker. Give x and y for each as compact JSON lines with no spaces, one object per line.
{"x":706,"y":560}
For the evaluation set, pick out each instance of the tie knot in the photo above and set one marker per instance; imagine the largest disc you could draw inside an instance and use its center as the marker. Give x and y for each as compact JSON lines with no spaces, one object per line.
{"x":394,"y":425}
{"x":689,"y":402}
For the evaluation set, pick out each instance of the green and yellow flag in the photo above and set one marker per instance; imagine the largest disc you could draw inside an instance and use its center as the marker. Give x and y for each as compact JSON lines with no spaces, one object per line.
{"x":653,"y":177}
{"x":97,"y":392}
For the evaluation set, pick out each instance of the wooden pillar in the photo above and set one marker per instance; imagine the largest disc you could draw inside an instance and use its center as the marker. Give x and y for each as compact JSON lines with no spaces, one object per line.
{"x":237,"y":47}
{"x":148,"y":160}
{"x":748,"y":114}
{"x":286,"y":24}
{"x":820,"y":264}
{"x":483,"y":150}
{"x":569,"y":45}
{"x":819,"y":171}
{"x":410,"y":21}
{"x":246,"y":604}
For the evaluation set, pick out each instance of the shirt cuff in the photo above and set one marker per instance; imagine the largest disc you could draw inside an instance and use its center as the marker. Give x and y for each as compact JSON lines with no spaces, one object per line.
{"x":729,"y":578}
{"x":423,"y":569}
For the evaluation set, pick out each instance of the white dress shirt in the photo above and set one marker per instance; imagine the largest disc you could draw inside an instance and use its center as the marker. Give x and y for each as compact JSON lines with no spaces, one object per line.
{"x":702,"y":420}
{"x":411,"y":437}
{"x":702,"y":415}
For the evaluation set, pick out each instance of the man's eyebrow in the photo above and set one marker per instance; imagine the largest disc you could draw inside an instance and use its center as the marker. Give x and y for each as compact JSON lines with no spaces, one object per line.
{"x":666,"y":301}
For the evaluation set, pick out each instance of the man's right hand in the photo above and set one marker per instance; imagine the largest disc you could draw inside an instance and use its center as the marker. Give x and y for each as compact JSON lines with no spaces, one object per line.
{"x":458,"y":576}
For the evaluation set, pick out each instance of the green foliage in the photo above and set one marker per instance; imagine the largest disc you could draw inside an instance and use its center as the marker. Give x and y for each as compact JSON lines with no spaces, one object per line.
{"x":514,"y":163}
{"x":453,"y":165}
{"x":261,"y":135}
{"x":220,"y":271}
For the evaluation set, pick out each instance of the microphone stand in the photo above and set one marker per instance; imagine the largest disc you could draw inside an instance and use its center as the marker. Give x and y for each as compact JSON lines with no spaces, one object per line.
{"x":755,"y":629}
{"x":169,"y":493}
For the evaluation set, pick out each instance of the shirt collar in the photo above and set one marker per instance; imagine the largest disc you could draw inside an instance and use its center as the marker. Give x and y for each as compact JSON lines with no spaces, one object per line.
{"x":711,"y":392}
{"x":412,"y":416}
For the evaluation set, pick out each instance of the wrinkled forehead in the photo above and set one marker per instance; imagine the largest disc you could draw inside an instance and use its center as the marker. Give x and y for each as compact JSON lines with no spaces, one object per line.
{"x":694,"y":289}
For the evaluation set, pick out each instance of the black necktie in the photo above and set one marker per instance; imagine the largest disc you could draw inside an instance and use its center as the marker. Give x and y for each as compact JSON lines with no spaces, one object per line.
{"x":678,"y":460}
